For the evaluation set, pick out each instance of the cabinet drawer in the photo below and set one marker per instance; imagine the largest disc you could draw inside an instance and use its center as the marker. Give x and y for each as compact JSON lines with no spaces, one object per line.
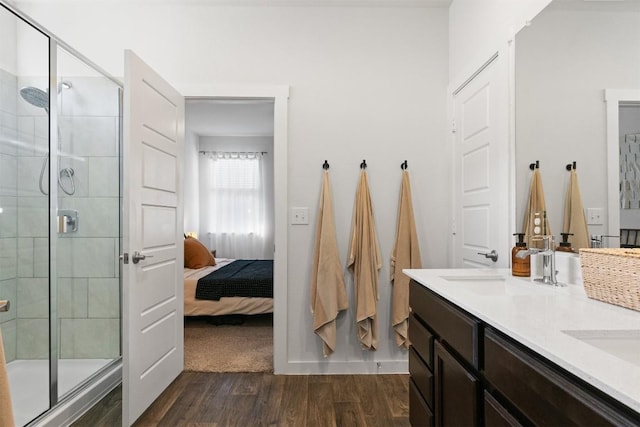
{"x":541,"y":393}
{"x":451,"y":324}
{"x":496,"y":415}
{"x":421,"y":376}
{"x":419,"y":413}
{"x":421,"y":340}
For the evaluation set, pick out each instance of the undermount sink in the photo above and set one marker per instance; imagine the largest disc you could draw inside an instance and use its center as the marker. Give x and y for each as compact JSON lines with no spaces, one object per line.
{"x":621,"y":343}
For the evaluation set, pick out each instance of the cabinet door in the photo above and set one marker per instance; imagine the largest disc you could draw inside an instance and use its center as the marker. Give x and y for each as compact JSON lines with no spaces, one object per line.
{"x":496,"y":415}
{"x":457,"y":391}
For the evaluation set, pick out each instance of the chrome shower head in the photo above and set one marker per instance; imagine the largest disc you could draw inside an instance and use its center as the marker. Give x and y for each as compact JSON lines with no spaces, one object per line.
{"x":36,"y":97}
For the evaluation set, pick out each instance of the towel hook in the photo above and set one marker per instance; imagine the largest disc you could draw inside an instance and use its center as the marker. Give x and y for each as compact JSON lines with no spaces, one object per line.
{"x":363,"y":165}
{"x":325,"y":165}
{"x":403,"y":165}
{"x":535,"y":165}
{"x":571,"y":166}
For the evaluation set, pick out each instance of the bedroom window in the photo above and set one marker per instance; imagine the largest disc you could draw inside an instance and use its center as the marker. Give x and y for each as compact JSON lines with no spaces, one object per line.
{"x":234,"y":197}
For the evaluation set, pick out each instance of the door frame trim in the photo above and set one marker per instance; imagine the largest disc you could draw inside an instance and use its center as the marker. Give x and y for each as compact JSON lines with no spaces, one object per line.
{"x":280,"y":95}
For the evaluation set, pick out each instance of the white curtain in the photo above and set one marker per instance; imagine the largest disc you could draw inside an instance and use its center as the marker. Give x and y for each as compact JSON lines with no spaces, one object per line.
{"x":234,"y":205}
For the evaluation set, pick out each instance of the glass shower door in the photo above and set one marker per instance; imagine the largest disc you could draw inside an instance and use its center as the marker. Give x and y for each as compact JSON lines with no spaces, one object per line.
{"x":88,"y":235}
{"x":24,"y":213}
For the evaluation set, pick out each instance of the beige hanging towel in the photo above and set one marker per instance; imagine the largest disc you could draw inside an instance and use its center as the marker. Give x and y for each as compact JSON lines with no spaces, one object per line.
{"x":535,"y":204}
{"x":365,"y":263}
{"x":575,"y":221}
{"x":328,"y":294}
{"x":6,"y":410}
{"x":406,"y":254}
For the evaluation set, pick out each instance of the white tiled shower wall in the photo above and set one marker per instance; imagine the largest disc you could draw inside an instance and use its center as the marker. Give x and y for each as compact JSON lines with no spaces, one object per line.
{"x":9,"y":206}
{"x":87,"y":261}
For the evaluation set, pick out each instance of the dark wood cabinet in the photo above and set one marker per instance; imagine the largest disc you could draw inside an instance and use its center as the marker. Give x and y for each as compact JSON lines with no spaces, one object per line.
{"x":442,"y":360}
{"x":420,"y":414}
{"x":465,"y":373}
{"x":496,"y":415}
{"x":456,"y":391}
{"x":422,"y":376}
{"x":539,"y":392}
{"x":451,"y":325}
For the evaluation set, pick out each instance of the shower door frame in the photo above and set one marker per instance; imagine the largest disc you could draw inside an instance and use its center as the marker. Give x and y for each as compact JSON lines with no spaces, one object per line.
{"x":53,"y":232}
{"x":95,"y":387}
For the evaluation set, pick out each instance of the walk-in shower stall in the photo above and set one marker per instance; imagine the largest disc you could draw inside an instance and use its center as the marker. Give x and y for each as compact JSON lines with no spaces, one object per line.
{"x":60,"y":210}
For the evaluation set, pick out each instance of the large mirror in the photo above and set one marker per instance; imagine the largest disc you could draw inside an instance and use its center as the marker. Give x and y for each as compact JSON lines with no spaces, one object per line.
{"x":570,"y":55}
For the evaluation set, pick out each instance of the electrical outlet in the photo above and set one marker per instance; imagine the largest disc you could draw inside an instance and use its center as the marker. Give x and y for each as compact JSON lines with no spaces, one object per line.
{"x":595,"y":216}
{"x":299,"y":216}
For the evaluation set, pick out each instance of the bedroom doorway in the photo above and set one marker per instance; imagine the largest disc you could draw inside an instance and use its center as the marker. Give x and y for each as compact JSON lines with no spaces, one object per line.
{"x":229,"y":207}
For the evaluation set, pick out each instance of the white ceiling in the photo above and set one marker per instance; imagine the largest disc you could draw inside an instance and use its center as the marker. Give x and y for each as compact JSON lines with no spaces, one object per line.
{"x":230,"y":117}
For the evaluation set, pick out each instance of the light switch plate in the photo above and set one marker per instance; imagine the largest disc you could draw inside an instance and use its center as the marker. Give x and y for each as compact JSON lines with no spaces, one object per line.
{"x":595,"y":216}
{"x":299,"y":216}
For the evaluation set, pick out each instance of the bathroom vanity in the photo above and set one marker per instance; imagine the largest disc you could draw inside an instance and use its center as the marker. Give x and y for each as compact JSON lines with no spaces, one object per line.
{"x":492,"y":349}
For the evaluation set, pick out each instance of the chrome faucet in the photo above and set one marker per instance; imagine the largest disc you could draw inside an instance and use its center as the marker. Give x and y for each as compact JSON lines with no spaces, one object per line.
{"x":548,"y":260}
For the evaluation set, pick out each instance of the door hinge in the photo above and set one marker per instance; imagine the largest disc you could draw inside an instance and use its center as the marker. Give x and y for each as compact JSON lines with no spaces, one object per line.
{"x":125,"y":258}
{"x":453,"y":126}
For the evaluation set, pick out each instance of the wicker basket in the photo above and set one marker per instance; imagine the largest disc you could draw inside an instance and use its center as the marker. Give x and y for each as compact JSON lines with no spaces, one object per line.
{"x":612,"y":275}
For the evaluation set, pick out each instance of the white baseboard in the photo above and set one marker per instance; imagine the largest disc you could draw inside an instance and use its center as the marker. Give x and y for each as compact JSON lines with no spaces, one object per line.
{"x":358,"y":367}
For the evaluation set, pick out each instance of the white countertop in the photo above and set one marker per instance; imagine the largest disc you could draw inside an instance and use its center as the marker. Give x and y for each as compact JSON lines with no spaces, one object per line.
{"x":536,"y":314}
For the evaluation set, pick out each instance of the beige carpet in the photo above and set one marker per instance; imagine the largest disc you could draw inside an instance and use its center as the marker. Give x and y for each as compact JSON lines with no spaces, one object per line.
{"x":228,"y":348}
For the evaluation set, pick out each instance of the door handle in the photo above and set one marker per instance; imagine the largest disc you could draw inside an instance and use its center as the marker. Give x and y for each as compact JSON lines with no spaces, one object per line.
{"x":493,"y":255}
{"x":5,"y":305}
{"x":137,"y":257}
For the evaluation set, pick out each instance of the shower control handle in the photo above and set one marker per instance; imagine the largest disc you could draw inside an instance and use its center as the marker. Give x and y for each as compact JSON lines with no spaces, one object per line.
{"x":137,"y":257}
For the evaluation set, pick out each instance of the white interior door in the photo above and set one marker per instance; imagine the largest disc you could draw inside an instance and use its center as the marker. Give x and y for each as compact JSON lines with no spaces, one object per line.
{"x":153,"y":351}
{"x":481,"y":170}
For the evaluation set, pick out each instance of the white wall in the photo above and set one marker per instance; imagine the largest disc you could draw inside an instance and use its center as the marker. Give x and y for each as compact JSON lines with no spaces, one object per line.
{"x":191,"y":198}
{"x":479,"y":28}
{"x":8,"y":45}
{"x":564,"y":62}
{"x":366,"y":83}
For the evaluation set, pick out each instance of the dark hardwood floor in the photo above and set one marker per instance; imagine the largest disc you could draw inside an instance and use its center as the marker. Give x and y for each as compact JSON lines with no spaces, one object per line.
{"x":263,"y":399}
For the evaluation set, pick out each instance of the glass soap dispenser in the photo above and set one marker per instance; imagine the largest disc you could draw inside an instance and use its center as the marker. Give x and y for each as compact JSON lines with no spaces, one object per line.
{"x":520,"y":267}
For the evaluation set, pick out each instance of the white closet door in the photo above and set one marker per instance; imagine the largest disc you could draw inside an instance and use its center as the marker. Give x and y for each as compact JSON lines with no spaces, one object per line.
{"x":481,"y":170}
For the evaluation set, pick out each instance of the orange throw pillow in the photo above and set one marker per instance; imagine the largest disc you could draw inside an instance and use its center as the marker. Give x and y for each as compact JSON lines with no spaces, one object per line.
{"x":196,"y":255}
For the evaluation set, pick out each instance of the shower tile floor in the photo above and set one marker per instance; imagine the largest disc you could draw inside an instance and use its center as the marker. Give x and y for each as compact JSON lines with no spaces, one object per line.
{"x":29,"y":382}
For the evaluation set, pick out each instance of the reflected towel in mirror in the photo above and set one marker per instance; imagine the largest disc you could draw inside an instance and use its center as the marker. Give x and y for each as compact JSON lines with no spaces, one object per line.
{"x":575,"y":221}
{"x":536,"y":203}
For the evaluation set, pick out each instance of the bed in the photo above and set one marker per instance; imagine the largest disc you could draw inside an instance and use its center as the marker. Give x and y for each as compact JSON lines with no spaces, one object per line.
{"x":225,"y":305}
